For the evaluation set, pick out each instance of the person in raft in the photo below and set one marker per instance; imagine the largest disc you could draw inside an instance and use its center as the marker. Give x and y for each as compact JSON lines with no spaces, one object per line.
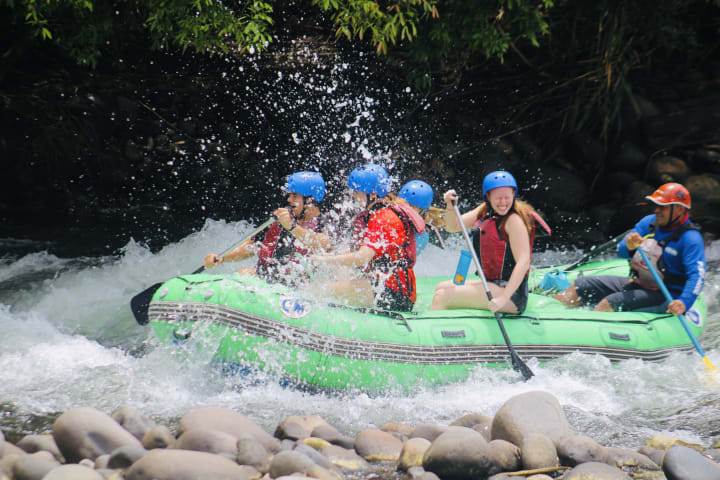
{"x":503,"y":231}
{"x":419,"y":195}
{"x":673,"y":245}
{"x":383,"y":246}
{"x":295,"y":233}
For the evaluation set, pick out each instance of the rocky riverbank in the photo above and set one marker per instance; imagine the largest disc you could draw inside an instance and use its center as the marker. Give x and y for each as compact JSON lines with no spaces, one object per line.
{"x":528,"y":438}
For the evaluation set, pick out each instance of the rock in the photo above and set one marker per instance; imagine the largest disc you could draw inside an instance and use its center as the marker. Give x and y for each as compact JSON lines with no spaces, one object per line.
{"x":636,"y":193}
{"x":88,"y":433}
{"x":159,"y":436}
{"x":2,"y":443}
{"x":653,"y":454}
{"x":705,"y":194}
{"x":507,"y":455}
{"x":125,"y":456}
{"x":101,"y":462}
{"x":73,"y":472}
{"x":713,"y":454}
{"x":376,"y":445}
{"x":629,"y":458}
{"x":538,"y":451}
{"x":628,"y":157}
{"x":162,"y":464}
{"x":619,"y":180}
{"x":36,"y":443}
{"x":540,"y":476}
{"x":576,"y":449}
{"x":398,"y":429}
{"x":559,"y":190}
{"x":595,"y":471}
{"x":228,"y":421}
{"x":667,"y":168}
{"x":251,"y":452}
{"x":33,"y":466}
{"x":133,"y":421}
{"x":299,"y":427}
{"x":289,"y":462}
{"x":682,"y":463}
{"x":526,"y":413}
{"x":317,"y":457}
{"x":428,"y":431}
{"x":472,"y":419}
{"x":460,"y":453}
{"x":210,"y":441}
{"x":329,"y":433}
{"x":344,"y":458}
{"x":419,"y":473}
{"x":663,"y":442}
{"x":691,"y":122}
{"x":412,"y":453}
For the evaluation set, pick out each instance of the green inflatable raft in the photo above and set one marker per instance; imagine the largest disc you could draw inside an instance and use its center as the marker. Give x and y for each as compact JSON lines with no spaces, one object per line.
{"x":311,"y":342}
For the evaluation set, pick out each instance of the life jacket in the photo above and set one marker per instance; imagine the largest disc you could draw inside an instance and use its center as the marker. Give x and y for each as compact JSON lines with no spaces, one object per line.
{"x":400,"y":263}
{"x":639,"y":271}
{"x":279,"y":247}
{"x":492,"y":245}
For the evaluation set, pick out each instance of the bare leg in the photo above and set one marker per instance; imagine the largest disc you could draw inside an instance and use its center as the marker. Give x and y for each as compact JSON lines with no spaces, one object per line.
{"x":568,"y":297}
{"x":449,"y":296}
{"x":247,"y":271}
{"x":603,"y":306}
{"x":356,"y":292}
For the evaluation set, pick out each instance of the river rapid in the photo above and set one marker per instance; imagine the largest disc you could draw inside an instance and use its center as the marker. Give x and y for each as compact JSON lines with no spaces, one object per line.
{"x":69,"y":339}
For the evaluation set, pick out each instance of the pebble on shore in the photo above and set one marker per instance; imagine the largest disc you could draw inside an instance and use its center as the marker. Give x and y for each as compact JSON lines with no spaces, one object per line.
{"x":528,"y":438}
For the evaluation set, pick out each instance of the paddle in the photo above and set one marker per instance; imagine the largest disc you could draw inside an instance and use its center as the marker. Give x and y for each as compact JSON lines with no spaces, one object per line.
{"x":599,"y":250}
{"x":517,"y":362}
{"x":556,"y":280}
{"x":140,"y":303}
{"x":668,"y":297}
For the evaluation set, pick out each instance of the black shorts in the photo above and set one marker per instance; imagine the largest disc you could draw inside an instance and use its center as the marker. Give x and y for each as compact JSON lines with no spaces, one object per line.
{"x":621,"y":294}
{"x":389,"y":299}
{"x":520,"y":297}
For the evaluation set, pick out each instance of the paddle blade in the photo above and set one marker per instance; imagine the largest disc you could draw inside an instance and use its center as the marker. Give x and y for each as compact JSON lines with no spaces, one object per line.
{"x":520,"y":366}
{"x":708,"y":364}
{"x":140,"y":304}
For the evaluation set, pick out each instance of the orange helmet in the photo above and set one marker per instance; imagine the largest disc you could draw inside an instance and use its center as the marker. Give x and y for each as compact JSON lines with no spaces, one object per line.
{"x":671,"y":194}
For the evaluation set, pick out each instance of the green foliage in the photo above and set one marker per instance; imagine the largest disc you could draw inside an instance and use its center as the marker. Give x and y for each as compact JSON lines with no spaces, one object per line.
{"x":86,"y":28}
{"x":603,"y":41}
{"x":596,"y":43}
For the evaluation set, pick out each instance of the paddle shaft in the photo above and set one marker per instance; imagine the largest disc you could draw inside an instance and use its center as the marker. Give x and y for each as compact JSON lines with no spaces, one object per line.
{"x":596,"y":251}
{"x":669,"y":298}
{"x":517,"y":362}
{"x":259,"y":229}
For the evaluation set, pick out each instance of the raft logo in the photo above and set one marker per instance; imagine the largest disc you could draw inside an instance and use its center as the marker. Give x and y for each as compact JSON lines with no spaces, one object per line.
{"x":293,"y":307}
{"x":694,"y":316}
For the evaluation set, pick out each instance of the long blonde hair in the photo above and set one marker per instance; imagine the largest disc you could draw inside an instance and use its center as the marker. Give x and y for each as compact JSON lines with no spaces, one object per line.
{"x":521,"y":207}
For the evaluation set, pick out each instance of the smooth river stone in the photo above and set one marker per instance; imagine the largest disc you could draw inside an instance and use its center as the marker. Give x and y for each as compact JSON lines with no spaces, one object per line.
{"x":88,"y":433}
{"x":161,"y":464}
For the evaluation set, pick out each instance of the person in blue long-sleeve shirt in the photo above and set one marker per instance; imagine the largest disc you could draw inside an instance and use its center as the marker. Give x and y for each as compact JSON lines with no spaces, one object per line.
{"x":672,"y":243}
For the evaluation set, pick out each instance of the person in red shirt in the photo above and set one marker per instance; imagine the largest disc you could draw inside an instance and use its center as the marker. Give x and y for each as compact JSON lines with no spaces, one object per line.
{"x":296,"y":232}
{"x":385,"y":246}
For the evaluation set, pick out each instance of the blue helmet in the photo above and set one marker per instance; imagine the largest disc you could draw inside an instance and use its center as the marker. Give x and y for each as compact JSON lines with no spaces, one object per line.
{"x":307,"y":184}
{"x":498,"y":179}
{"x":370,"y":178}
{"x":417,"y":193}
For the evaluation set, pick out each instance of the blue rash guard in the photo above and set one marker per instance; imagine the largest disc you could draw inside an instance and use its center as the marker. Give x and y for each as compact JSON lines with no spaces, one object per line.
{"x":684,"y":257}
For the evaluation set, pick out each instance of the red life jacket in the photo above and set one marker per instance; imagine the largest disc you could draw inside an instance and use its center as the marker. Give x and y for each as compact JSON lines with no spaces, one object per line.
{"x":279,"y":248}
{"x":399,"y":264}
{"x":492,"y":245}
